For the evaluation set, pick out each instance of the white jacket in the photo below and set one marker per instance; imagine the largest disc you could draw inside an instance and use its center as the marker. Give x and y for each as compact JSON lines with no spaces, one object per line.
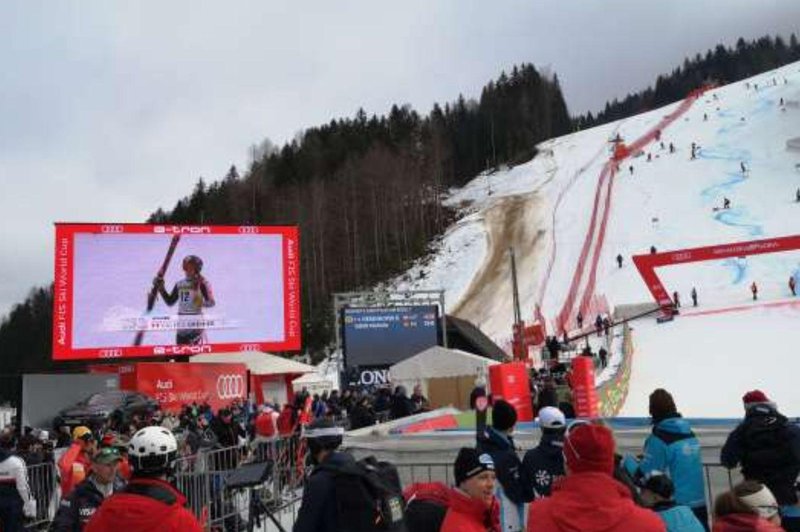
{"x":13,"y":471}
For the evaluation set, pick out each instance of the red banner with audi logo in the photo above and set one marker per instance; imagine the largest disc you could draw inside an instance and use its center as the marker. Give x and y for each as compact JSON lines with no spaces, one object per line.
{"x":133,"y":290}
{"x":176,"y":385}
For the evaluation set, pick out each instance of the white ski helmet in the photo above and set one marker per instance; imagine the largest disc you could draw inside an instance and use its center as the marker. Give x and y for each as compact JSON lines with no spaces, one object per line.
{"x":152,"y":450}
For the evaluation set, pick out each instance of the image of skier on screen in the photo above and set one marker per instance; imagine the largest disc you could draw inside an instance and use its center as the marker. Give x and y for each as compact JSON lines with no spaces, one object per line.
{"x":192,"y":293}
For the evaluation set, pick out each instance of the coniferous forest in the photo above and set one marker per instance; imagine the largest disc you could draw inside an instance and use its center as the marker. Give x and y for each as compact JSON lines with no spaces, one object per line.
{"x":366,"y":191}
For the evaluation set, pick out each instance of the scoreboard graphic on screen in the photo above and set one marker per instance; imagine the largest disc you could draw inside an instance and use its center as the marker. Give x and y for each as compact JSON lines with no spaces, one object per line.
{"x":382,"y":336}
{"x":125,"y":290}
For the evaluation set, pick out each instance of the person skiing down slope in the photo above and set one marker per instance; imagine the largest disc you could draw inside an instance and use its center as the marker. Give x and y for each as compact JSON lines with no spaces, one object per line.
{"x":193,"y":293}
{"x":792,"y":285}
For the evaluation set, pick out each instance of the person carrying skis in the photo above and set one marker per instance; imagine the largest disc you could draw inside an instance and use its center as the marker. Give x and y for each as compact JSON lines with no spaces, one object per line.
{"x":694,"y":297}
{"x":754,"y":290}
{"x":792,"y":285}
{"x":619,"y":261}
{"x":193,"y":293}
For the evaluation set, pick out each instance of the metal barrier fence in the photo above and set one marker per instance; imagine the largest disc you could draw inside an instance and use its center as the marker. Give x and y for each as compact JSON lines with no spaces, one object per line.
{"x":43,"y":483}
{"x":202,"y":478}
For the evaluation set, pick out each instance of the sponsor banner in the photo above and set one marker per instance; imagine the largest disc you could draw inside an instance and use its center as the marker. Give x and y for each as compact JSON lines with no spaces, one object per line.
{"x":133,"y":290}
{"x":647,"y":264}
{"x":174,"y":385}
{"x":612,"y":394}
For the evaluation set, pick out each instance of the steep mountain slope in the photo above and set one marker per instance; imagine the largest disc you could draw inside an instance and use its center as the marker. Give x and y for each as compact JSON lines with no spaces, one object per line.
{"x":544,"y":209}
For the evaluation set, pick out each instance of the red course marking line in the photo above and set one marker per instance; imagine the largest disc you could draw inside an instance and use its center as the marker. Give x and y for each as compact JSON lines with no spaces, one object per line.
{"x":740,"y":308}
{"x":638,"y":144}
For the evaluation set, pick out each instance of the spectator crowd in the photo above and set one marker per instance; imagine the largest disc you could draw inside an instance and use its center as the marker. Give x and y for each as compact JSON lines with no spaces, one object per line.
{"x":573,"y":479}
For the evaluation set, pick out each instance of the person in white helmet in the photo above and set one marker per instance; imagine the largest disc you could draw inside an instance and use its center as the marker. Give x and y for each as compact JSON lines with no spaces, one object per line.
{"x":149,"y":503}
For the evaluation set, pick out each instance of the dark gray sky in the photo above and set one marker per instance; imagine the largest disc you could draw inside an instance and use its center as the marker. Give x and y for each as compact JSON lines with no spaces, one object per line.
{"x":109,"y":110}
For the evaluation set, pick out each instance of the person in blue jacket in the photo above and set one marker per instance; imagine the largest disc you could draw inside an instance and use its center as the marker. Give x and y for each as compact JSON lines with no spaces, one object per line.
{"x":673,"y":449}
{"x":512,"y":490}
{"x":657,"y":495}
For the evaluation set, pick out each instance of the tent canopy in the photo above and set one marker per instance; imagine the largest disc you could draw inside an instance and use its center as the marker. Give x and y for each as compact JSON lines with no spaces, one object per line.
{"x":439,"y":361}
{"x":257,"y":363}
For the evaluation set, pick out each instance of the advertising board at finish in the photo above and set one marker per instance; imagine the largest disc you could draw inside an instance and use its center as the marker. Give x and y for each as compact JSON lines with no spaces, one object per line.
{"x":177,"y":385}
{"x":133,"y":290}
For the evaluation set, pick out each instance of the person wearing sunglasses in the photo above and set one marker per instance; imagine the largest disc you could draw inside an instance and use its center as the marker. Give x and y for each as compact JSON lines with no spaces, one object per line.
{"x":588,"y":498}
{"x":672,"y":448}
{"x":512,"y":490}
{"x":749,"y":506}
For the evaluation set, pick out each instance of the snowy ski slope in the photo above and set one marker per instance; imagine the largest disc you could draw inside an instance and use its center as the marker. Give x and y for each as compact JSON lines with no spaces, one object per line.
{"x":671,"y":202}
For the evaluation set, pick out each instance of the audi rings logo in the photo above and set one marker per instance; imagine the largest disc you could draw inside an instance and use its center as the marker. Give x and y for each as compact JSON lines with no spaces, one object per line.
{"x":248,"y":230}
{"x":111,"y":229}
{"x":230,"y":386}
{"x":249,"y":347}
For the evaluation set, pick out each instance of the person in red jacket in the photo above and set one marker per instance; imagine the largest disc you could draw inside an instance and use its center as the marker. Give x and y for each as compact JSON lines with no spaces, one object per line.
{"x":588,"y":498}
{"x":749,"y":506}
{"x":285,"y":420}
{"x":472,"y":506}
{"x":76,"y":463}
{"x":148,"y":503}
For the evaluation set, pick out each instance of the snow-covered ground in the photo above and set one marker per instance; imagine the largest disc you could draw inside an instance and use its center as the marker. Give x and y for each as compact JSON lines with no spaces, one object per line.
{"x":543,"y":209}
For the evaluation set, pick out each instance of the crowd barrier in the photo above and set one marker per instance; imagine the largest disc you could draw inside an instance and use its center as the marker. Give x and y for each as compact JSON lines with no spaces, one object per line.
{"x":612,"y":393}
{"x":43,"y":483}
{"x":272,"y":506}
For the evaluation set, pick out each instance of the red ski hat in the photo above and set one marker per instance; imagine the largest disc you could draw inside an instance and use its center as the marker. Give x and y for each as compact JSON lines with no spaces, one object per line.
{"x":755,"y":397}
{"x":589,"y":448}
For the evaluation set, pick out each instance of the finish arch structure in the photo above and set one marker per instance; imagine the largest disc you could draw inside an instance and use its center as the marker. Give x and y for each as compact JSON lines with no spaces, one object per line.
{"x":647,"y":264}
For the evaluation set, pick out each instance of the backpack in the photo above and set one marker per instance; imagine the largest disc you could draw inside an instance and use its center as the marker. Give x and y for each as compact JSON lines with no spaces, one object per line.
{"x":426,"y":506}
{"x":368,"y":496}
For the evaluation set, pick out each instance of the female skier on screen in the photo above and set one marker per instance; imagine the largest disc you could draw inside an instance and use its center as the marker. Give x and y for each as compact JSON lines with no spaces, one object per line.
{"x":192,"y":293}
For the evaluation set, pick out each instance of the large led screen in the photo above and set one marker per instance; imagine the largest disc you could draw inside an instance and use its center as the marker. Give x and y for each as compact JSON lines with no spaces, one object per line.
{"x":124,"y":290}
{"x":383,"y":336}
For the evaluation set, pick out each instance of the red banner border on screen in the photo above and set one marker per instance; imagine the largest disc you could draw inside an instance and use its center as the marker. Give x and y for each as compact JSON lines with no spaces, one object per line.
{"x":63,"y":291}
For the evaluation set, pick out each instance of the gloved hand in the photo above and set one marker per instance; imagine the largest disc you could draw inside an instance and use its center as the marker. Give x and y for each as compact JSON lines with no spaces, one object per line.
{"x":158,"y":282}
{"x":29,"y":508}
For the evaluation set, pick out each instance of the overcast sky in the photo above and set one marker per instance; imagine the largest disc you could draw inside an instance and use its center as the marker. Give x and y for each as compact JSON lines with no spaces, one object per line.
{"x":109,"y":110}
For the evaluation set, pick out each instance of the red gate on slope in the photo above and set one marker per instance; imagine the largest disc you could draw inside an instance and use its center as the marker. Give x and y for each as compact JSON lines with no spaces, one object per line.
{"x":647,"y":264}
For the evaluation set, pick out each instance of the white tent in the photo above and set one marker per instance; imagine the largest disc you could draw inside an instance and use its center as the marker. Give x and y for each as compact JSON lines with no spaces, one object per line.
{"x":313,"y":383}
{"x":257,"y":363}
{"x":438,"y":367}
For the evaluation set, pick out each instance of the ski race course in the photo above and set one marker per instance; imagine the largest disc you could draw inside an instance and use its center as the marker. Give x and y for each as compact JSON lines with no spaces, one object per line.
{"x":571,"y":210}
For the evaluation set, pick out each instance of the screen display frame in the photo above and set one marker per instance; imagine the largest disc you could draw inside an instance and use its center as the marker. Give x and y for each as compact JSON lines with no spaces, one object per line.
{"x":64,"y":290}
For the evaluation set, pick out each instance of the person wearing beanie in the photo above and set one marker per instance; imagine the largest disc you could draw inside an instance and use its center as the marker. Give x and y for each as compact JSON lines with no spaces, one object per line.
{"x":469,"y":506}
{"x":472,"y":506}
{"x":657,"y":493}
{"x":544,"y":464}
{"x":672,"y":448}
{"x":511,"y":490}
{"x":588,"y":498}
{"x":767,"y":447}
{"x":748,"y":507}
